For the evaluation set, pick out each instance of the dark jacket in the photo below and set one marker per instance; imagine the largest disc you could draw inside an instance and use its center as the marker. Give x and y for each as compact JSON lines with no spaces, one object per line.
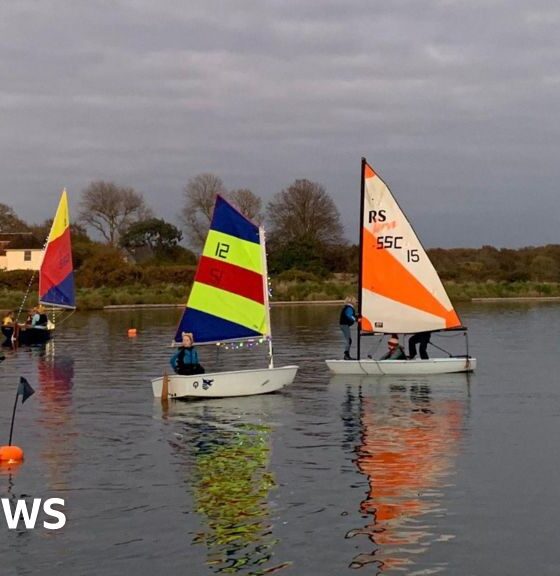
{"x":348,"y":315}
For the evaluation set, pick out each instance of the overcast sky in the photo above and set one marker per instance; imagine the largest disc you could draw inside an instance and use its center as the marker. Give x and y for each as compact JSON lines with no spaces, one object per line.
{"x":456,"y":103}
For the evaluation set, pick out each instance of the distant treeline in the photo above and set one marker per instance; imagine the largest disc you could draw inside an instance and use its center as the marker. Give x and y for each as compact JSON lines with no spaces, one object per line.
{"x":98,"y":265}
{"x":132,"y":256}
{"x":534,"y":263}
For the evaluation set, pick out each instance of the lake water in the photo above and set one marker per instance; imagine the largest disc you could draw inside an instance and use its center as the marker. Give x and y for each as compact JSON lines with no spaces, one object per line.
{"x":416,"y":476}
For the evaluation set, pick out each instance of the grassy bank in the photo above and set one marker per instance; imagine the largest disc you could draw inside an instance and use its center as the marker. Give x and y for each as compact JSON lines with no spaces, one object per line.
{"x":292,"y":288}
{"x":466,"y":291}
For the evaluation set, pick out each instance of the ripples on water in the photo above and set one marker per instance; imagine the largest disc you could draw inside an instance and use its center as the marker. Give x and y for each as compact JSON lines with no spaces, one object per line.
{"x":331,"y":476}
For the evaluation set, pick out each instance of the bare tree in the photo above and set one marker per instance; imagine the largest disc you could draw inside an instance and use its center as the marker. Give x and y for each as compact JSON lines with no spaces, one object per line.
{"x":110,"y":209}
{"x":249,"y":204}
{"x":9,"y":220}
{"x":200,"y":193}
{"x":304,"y":212}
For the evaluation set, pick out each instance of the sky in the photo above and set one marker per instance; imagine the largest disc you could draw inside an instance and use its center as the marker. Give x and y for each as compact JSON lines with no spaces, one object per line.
{"x":455,"y":103}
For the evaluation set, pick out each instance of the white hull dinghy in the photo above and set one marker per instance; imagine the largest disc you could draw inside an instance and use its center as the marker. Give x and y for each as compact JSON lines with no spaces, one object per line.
{"x":228,"y":304}
{"x":400,"y":291}
{"x":402,"y":367}
{"x":226,"y":384}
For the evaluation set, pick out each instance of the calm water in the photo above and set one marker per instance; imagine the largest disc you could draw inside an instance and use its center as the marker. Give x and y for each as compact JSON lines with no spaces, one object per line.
{"x":440,"y":475}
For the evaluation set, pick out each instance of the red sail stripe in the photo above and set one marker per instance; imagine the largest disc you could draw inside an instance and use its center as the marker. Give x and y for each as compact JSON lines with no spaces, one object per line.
{"x":230,"y":278}
{"x":57,"y":262}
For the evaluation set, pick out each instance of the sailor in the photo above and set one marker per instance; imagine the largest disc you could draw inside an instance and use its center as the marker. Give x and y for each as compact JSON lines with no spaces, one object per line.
{"x":347,"y":318}
{"x":8,"y":323}
{"x":395,"y":351}
{"x":43,"y":319}
{"x":185,"y":360}
{"x":421,"y":338}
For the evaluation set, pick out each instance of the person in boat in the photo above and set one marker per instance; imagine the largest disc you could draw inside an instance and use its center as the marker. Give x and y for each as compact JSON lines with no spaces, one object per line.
{"x":8,"y":325}
{"x":38,"y":318}
{"x":422,"y":339}
{"x":185,"y":361}
{"x":43,"y":318}
{"x":30,"y":314}
{"x":395,"y":351}
{"x":348,"y":317}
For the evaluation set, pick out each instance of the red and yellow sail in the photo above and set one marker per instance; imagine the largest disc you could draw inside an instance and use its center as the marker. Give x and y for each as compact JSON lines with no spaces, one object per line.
{"x":56,"y":276}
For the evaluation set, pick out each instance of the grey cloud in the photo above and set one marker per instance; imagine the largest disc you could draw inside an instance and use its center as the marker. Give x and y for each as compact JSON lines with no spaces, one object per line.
{"x":453,"y":102}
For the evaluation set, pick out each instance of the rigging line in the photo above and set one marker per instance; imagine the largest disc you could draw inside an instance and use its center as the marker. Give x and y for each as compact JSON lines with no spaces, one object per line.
{"x":374,"y":348}
{"x":64,"y":317}
{"x":442,"y":349}
{"x":25,"y":295}
{"x":45,"y":244}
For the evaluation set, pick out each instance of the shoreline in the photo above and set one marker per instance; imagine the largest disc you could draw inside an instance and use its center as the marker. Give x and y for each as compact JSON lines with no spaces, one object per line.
{"x":517,"y":299}
{"x":279,"y":303}
{"x":488,"y":300}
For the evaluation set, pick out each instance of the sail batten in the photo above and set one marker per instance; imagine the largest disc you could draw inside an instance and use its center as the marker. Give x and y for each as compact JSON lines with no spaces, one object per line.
{"x":400,"y":289}
{"x":56,"y":275}
{"x":227,"y":300}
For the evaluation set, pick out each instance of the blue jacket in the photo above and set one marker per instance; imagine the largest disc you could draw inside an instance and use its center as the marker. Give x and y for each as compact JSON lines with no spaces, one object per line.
{"x":348,"y":315}
{"x":190,"y":357}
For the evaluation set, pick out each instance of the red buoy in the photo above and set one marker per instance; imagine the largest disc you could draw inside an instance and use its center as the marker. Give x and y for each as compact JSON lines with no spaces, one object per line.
{"x":11,"y":454}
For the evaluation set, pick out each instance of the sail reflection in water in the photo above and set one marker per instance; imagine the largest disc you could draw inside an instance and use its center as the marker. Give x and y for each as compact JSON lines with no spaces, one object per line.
{"x":409,"y":439}
{"x":231,"y":483}
{"x":55,"y":374}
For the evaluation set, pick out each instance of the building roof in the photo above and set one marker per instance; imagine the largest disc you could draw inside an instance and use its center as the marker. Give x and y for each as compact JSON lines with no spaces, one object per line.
{"x":18,"y":241}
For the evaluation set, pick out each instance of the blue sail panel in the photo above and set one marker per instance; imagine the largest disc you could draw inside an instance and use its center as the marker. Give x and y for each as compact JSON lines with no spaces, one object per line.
{"x":62,"y":294}
{"x":228,"y":220}
{"x":208,"y":328}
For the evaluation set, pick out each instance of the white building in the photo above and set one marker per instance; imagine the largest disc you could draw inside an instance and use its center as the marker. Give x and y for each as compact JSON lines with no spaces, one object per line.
{"x":20,"y":251}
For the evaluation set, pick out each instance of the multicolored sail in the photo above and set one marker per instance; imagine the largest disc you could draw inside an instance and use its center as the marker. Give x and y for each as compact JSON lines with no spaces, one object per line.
{"x":401,"y":291}
{"x":228,"y":299}
{"x":56,"y":276}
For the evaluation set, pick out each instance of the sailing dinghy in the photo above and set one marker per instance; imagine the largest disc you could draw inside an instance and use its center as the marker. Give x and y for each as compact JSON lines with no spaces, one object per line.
{"x":400,"y":290}
{"x":228,"y":303}
{"x":56,"y":277}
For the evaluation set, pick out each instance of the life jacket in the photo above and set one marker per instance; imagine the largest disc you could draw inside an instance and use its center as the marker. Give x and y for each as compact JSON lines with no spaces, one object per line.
{"x":181,"y":364}
{"x":43,"y":320}
{"x":343,"y":318}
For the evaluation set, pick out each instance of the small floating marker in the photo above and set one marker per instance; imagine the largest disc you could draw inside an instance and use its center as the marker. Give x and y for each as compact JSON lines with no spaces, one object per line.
{"x":11,"y":454}
{"x":132,"y":332}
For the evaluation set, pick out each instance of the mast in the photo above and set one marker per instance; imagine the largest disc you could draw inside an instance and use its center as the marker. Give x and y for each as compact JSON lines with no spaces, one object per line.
{"x":362,"y":195}
{"x":265,"y":294}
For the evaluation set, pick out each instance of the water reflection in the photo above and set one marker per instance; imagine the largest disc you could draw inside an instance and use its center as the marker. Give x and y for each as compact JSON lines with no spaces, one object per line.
{"x":409,"y":438}
{"x":228,"y":457}
{"x":55,"y":375}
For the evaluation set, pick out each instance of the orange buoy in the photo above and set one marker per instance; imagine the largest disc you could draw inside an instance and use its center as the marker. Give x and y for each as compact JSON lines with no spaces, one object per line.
{"x":11,"y":454}
{"x":132,"y":332}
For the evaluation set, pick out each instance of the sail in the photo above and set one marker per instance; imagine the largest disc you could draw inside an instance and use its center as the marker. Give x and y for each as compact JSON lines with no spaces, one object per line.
{"x":400,"y":288}
{"x":56,"y":276}
{"x":228,"y":299}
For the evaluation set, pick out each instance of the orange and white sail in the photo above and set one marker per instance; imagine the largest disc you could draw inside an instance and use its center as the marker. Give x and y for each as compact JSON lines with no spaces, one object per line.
{"x":400,"y":289}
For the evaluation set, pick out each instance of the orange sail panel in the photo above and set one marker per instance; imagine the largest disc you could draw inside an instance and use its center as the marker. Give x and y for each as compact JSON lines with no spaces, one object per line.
{"x":56,"y":276}
{"x":401,"y":290}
